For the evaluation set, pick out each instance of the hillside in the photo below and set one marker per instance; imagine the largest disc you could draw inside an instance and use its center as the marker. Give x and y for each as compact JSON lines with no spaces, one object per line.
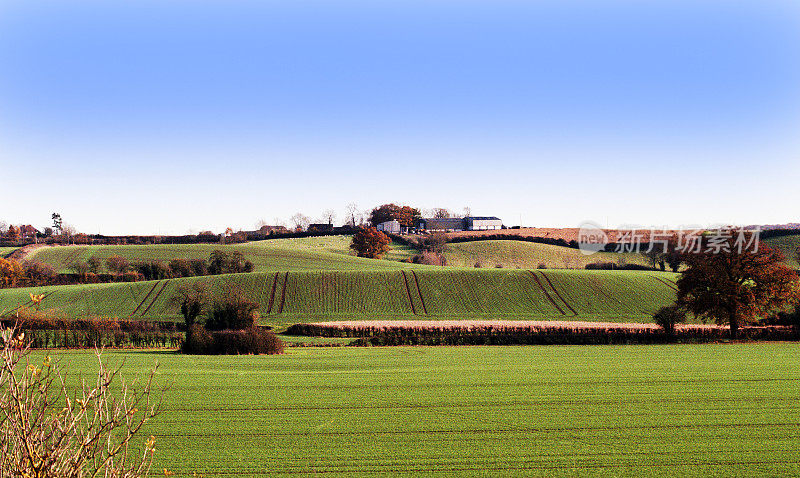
{"x":295,"y":296}
{"x":528,"y":255}
{"x":788,"y":245}
{"x":310,"y":253}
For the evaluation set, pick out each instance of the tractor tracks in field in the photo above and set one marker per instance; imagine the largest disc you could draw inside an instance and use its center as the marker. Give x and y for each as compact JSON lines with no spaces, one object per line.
{"x":155,"y":297}
{"x":283,"y":292}
{"x":546,"y":294}
{"x":144,"y":299}
{"x":669,"y":284}
{"x":408,"y":292}
{"x":272,"y":294}
{"x":419,"y":291}
{"x":558,"y":294}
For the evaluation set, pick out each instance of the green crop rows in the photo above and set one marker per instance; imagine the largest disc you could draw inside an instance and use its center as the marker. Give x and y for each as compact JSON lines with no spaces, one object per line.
{"x":288,"y":297}
{"x":683,"y":410}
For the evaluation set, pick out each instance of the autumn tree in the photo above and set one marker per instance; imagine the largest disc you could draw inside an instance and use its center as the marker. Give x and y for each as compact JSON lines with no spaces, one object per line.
{"x":11,"y":272}
{"x":405,"y":215}
{"x":13,"y":233}
{"x":369,"y":242}
{"x":735,"y":286}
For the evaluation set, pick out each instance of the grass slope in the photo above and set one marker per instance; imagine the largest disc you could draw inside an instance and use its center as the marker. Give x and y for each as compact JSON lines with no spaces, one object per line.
{"x":788,"y":245}
{"x":528,"y":255}
{"x":4,"y":251}
{"x":289,"y":297}
{"x":682,"y":410}
{"x":312,"y":253}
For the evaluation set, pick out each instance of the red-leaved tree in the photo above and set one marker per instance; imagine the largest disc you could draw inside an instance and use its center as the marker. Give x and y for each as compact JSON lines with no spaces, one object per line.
{"x":369,"y":242}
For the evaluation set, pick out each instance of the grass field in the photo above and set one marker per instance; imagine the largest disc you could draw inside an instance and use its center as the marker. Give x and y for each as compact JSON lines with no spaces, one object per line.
{"x":528,"y":255}
{"x":310,"y":253}
{"x":289,"y":297}
{"x":788,"y":245}
{"x":682,"y":410}
{"x":4,"y":251}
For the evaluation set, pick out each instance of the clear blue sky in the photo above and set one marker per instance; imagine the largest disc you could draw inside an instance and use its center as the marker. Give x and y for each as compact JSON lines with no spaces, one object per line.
{"x":175,"y":116}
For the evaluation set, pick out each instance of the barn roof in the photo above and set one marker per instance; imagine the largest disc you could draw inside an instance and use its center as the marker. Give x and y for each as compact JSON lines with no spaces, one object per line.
{"x":482,"y":218}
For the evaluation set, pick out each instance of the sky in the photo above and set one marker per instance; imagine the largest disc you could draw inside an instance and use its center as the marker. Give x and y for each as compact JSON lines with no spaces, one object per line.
{"x":172,"y":117}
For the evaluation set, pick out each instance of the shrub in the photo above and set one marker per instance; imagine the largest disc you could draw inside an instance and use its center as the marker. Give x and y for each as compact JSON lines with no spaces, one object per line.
{"x":233,"y":311}
{"x":429,"y":258}
{"x":542,"y":265}
{"x":666,"y":317}
{"x":117,"y":264}
{"x":132,"y":276}
{"x":253,"y":340}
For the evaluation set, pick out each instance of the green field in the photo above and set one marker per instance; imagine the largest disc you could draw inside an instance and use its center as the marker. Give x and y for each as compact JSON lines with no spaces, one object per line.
{"x":788,"y":245}
{"x":310,"y":253}
{"x":528,"y":255}
{"x":290,"y":297}
{"x":682,"y":410}
{"x":4,"y":251}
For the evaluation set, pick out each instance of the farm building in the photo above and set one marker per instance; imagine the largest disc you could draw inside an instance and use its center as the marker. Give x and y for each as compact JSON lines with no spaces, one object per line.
{"x":392,"y":226}
{"x":469,"y":223}
{"x":482,"y":223}
{"x":441,"y":224}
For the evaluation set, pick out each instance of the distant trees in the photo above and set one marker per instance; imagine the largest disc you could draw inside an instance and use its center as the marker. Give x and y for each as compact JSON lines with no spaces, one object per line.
{"x":369,"y":242}
{"x":300,"y":222}
{"x":441,"y":213}
{"x":735,"y":288}
{"x":13,"y":234}
{"x":58,"y":223}
{"x":352,"y":212}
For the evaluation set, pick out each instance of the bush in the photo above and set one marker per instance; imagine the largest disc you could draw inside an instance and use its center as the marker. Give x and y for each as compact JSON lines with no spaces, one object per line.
{"x":233,"y":311}
{"x":542,"y":265}
{"x":667,"y":317}
{"x":429,"y":258}
{"x":253,"y":340}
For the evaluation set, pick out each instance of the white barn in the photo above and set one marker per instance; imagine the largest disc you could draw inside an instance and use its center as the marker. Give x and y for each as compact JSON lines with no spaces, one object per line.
{"x":392,"y":226}
{"x":482,"y":223}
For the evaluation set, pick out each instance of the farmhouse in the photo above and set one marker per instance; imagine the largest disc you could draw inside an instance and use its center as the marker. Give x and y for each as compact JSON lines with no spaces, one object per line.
{"x":392,"y":226}
{"x":469,"y":223}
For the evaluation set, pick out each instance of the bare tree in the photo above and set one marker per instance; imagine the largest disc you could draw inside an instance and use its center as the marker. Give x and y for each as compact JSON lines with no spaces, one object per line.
{"x":300,"y":222}
{"x":467,"y":211}
{"x":329,"y":215}
{"x":3,"y":227}
{"x":47,"y":430}
{"x":441,"y":213}
{"x":352,"y":212}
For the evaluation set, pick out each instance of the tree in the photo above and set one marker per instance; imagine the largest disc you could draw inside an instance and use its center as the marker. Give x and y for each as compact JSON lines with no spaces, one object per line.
{"x":405,"y":215}
{"x":441,"y":213}
{"x":329,"y":215}
{"x":11,"y":272}
{"x":433,"y":242}
{"x":735,"y":287}
{"x":218,"y":262}
{"x":300,"y":222}
{"x":117,"y":264}
{"x":369,"y":242}
{"x":668,"y":316}
{"x":233,"y":311}
{"x":13,"y":233}
{"x":48,"y":428}
{"x":352,"y":212}
{"x":192,"y":300}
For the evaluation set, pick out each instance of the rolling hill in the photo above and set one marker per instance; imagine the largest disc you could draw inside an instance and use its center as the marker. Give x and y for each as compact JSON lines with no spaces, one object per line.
{"x":287,"y":297}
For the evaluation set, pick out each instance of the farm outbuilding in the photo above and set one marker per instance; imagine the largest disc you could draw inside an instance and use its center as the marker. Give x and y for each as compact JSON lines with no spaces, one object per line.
{"x":482,"y":223}
{"x":469,"y":223}
{"x":392,"y":226}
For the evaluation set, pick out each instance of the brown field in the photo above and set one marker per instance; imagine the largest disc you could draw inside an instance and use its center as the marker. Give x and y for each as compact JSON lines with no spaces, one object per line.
{"x":566,"y":233}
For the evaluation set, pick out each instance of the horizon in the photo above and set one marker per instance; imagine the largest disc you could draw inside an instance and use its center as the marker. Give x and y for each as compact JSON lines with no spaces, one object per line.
{"x":168,"y":119}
